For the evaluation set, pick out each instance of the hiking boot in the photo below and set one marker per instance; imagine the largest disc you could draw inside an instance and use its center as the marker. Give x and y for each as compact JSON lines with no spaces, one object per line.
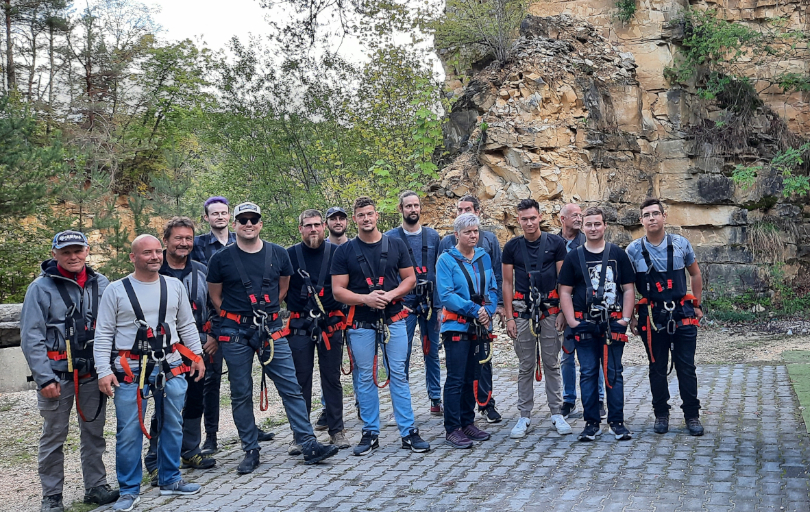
{"x":367,"y":444}
{"x":101,"y":494}
{"x":197,"y":462}
{"x":415,"y":443}
{"x":562,"y":426}
{"x":339,"y":440}
{"x":590,"y":432}
{"x":457,"y":439}
{"x":618,"y":429}
{"x":265,"y":436}
{"x":661,"y":425}
{"x":520,"y":428}
{"x":694,"y":426}
{"x":126,"y":502}
{"x":153,"y":478}
{"x":321,"y":424}
{"x":316,"y":452}
{"x":294,"y":449}
{"x":179,"y":488}
{"x":602,"y":410}
{"x":490,"y":414}
{"x":209,"y":447}
{"x":249,"y":463}
{"x":52,"y":503}
{"x":567,"y":409}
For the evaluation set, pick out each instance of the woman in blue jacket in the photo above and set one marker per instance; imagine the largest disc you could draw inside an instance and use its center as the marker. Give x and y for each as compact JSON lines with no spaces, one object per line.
{"x":469,"y":293}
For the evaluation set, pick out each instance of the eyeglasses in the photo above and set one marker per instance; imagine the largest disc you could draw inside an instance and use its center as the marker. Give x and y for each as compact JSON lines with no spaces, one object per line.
{"x":654,"y":213}
{"x":312,"y":226}
{"x":253,"y":220}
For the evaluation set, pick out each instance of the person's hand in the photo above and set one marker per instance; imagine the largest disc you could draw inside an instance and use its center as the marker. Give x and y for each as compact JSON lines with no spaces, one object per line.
{"x":559,"y":324}
{"x":375,"y":300}
{"x":622,"y":323}
{"x":699,"y":314}
{"x":211,"y":346}
{"x":575,"y":324}
{"x":511,"y":328}
{"x":500,"y":314}
{"x":198,"y":368}
{"x":483,"y":316}
{"x":105,"y":384}
{"x":634,"y":326}
{"x":52,"y":390}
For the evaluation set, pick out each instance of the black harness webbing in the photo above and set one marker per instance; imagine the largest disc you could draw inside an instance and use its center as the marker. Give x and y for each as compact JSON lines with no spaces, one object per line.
{"x":669,"y":304}
{"x":538,"y":303}
{"x":424,"y":287}
{"x":324,"y":271}
{"x":594,"y":296}
{"x":376,"y":281}
{"x":314,"y":321}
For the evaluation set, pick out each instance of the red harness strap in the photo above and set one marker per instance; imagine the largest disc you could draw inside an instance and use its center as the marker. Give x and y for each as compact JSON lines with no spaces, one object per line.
{"x":55,"y":355}
{"x":449,"y":316}
{"x":239,"y":319}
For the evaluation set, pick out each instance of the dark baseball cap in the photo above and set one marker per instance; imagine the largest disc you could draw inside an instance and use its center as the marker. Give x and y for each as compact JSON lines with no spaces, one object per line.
{"x":66,"y":238}
{"x":335,"y":210}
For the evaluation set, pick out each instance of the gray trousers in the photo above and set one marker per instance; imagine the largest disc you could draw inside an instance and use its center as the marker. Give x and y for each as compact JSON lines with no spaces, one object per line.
{"x":526,"y":349}
{"x":56,"y":416}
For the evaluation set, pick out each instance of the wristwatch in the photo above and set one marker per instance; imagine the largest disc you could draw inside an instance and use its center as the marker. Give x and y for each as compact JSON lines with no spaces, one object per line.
{"x":626,"y":319}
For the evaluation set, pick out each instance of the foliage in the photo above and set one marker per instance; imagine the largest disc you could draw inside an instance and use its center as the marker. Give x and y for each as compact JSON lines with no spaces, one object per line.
{"x":744,"y":175}
{"x":787,"y":163}
{"x":625,"y":10}
{"x":794,"y":82}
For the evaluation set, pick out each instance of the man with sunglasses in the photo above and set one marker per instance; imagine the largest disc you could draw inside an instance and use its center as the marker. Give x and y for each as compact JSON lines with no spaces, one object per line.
{"x":246,"y":283}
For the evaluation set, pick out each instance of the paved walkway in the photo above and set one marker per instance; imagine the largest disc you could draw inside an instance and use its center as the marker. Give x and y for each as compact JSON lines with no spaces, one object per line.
{"x":755,"y":456}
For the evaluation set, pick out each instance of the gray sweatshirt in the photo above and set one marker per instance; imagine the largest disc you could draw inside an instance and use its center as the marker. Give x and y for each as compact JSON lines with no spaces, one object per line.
{"x":116,"y":320}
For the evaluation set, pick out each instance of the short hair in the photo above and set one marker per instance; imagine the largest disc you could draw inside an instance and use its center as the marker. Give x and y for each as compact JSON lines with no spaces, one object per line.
{"x":594,"y":210}
{"x":464,"y":221}
{"x":308,"y":214}
{"x":213,"y":200}
{"x":652,"y":201}
{"x":176,"y":222}
{"x":528,"y":204}
{"x":362,"y":202}
{"x":406,"y":193}
{"x":471,"y":199}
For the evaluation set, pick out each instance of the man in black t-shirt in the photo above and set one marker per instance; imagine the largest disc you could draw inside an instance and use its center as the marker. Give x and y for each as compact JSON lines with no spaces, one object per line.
{"x":371,"y":274}
{"x":597,"y":298}
{"x":316,"y":319}
{"x":246,"y":282}
{"x":532,"y":319}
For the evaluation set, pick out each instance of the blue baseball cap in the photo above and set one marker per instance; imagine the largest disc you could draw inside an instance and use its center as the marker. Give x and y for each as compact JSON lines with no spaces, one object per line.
{"x":66,"y":238}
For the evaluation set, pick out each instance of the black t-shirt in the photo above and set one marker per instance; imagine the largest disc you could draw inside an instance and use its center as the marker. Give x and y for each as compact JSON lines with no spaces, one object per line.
{"x":553,"y":252}
{"x":313,"y":259}
{"x":345,"y":262}
{"x":221,"y":269}
{"x":620,"y":272}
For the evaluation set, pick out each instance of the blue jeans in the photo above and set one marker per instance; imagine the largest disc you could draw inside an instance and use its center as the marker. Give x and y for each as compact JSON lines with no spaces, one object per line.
{"x":429,"y":329}
{"x":459,"y":401}
{"x":568,"y":367}
{"x":281,"y":371}
{"x":362,"y":343}
{"x":590,"y":354}
{"x":129,"y":437}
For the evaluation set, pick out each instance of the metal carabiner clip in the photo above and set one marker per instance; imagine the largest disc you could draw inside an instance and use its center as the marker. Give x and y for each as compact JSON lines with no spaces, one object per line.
{"x":259,"y":317}
{"x":160,"y":381}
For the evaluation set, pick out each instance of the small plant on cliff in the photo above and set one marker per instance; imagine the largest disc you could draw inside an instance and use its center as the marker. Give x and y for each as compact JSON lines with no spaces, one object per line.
{"x":625,"y":10}
{"x":789,"y":165}
{"x":745,"y":175}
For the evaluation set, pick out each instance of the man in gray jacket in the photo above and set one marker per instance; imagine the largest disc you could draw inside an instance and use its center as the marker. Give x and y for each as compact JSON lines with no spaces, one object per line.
{"x":66,"y":285}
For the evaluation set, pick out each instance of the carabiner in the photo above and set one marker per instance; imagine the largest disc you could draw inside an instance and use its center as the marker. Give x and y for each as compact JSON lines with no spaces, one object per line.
{"x":669,"y":306}
{"x":671,"y":326}
{"x":160,"y":381}
{"x":259,"y":317}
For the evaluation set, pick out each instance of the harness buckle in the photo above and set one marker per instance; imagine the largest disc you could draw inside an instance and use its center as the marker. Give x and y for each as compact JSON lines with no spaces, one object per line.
{"x":259,"y":317}
{"x":141,"y":324}
{"x":669,"y":306}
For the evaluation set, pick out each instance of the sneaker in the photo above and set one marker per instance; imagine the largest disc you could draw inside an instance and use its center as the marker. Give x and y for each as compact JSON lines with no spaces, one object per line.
{"x":249,"y":463}
{"x":315,"y":452}
{"x":562,"y":426}
{"x":474,"y":433}
{"x":52,"y":503}
{"x":179,"y":488}
{"x":294,"y":449}
{"x":209,"y":447}
{"x":153,"y":478}
{"x":590,"y":432}
{"x":694,"y":426}
{"x":457,"y":439}
{"x":618,"y":429}
{"x":265,"y":436}
{"x":602,"y":410}
{"x":339,"y":440}
{"x":367,"y":444}
{"x":520,"y":429}
{"x":490,"y":414}
{"x":567,"y":409}
{"x":415,"y":443}
{"x":126,"y":502}
{"x":391,"y":421}
{"x":436,"y":408}
{"x":661,"y":425}
{"x":321,"y":424}
{"x":100,"y":495}
{"x":197,"y":462}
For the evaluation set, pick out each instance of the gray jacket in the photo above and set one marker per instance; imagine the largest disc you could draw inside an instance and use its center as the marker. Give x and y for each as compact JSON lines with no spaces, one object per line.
{"x":42,"y":321}
{"x":202,"y":313}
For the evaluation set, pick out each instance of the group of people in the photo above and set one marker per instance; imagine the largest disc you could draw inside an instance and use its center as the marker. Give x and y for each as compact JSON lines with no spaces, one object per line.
{"x":192,"y":302}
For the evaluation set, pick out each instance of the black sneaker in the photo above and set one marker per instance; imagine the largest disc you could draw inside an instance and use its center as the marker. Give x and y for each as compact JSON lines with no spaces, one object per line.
{"x":602,"y":410}
{"x":618,"y":429}
{"x":321,"y":424}
{"x":590,"y":432}
{"x":52,"y":503}
{"x":415,"y":443}
{"x":567,"y":409}
{"x":249,"y":463}
{"x":209,"y":447}
{"x":265,"y":436}
{"x":490,"y":414}
{"x":368,"y":443}
{"x":661,"y":425}
{"x":101,"y":495}
{"x":694,"y":426}
{"x":197,"y":462}
{"x":315,"y":452}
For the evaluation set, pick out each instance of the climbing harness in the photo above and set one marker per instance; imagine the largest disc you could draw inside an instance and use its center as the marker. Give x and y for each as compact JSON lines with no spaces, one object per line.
{"x":424,"y":287}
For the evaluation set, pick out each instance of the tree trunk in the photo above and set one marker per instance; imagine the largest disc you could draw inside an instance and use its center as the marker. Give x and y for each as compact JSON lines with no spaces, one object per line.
{"x":11,"y":76}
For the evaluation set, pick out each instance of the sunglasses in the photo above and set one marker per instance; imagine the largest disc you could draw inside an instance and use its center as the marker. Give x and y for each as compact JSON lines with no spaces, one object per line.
{"x":253,"y":220}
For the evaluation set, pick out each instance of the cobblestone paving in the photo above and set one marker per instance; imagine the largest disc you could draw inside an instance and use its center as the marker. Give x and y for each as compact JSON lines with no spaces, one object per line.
{"x":754,"y":456}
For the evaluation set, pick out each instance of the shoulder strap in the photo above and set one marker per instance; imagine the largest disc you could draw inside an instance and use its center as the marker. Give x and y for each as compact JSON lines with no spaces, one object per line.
{"x":670,"y":256}
{"x":374,"y":281}
{"x":299,"y":255}
{"x":260,"y":302}
{"x":590,"y":296}
{"x":420,"y":269}
{"x":482,"y":284}
{"x":268,"y":270}
{"x":536,"y":263}
{"x":133,"y":299}
{"x":327,"y":255}
{"x":94,"y":301}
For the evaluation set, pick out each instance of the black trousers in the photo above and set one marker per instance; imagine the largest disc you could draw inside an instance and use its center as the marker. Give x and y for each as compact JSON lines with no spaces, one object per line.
{"x":303,"y":353}
{"x":213,"y":382}
{"x":683,"y":357}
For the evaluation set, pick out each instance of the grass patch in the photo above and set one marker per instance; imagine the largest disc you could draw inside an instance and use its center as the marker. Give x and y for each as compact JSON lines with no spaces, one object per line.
{"x":225,"y":399}
{"x":80,"y":506}
{"x":7,"y":405}
{"x":274,"y":421}
{"x":348,"y":389}
{"x":799,"y":370}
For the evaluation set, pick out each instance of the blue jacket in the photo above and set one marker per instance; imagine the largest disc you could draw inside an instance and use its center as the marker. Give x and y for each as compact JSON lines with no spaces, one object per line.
{"x":492,"y":246}
{"x":454,"y":290}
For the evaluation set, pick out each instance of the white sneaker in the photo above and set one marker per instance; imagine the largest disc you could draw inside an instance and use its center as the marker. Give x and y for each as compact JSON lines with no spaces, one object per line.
{"x":562,"y":426}
{"x":391,"y":421}
{"x":519,"y":430}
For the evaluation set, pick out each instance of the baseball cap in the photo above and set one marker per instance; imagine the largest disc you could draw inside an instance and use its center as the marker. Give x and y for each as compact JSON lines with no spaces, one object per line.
{"x":335,"y":209}
{"x":247,"y":208}
{"x":66,"y":238}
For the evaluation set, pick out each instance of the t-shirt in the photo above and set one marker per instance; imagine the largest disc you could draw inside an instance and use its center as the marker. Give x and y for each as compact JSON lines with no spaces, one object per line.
{"x":414,"y":240}
{"x":619,"y":272}
{"x":221,"y":269}
{"x":177,"y":273}
{"x":683,"y":254}
{"x":313,"y":260}
{"x":553,"y":252}
{"x":345,"y":262}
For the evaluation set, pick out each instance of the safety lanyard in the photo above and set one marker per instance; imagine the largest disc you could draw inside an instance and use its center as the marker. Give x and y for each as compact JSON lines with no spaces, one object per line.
{"x":146,"y":339}
{"x":666,"y":291}
{"x":75,"y":315}
{"x":327,"y":255}
{"x":420,"y":270}
{"x":534,"y":267}
{"x":592,"y":297}
{"x":260,"y":304}
{"x":471,"y":285}
{"x":365,"y":266}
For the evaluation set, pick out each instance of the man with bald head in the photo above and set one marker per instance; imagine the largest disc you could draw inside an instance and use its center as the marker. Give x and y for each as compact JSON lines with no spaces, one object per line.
{"x":145,"y":337}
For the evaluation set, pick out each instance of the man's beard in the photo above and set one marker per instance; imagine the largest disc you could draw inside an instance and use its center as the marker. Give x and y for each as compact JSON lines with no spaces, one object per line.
{"x":335,"y":232}
{"x":410,"y":220}
{"x":313,"y":242}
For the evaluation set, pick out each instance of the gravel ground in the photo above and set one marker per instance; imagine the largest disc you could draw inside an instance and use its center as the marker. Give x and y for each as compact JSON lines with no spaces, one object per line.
{"x":20,"y":489}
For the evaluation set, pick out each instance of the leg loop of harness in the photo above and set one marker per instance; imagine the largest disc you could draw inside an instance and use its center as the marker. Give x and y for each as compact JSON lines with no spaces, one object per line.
{"x":425,"y":345}
{"x":381,"y":340}
{"x":351,"y":362}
